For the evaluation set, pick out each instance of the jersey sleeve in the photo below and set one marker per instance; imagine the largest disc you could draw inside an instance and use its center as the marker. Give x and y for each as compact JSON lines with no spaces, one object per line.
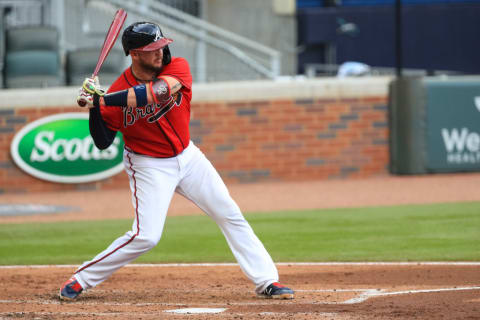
{"x":179,"y":69}
{"x":101,"y":134}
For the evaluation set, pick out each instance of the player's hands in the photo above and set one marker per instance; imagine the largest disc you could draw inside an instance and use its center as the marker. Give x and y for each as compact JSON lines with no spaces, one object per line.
{"x":85,"y":99}
{"x":90,"y":87}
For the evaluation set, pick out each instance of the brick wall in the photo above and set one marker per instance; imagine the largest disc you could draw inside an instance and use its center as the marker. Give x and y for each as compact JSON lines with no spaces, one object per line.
{"x":289,"y":139}
{"x":274,"y":138}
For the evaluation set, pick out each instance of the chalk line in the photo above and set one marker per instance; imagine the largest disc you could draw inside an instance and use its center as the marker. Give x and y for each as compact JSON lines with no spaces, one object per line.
{"x":162,"y":265}
{"x":380,"y":293}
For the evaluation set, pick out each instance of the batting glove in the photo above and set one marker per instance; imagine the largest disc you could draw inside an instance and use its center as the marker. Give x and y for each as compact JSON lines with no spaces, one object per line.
{"x":92,"y":86}
{"x":85,"y":99}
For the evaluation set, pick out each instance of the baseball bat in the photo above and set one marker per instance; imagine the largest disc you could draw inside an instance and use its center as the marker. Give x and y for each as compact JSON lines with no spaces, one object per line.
{"x":110,"y":38}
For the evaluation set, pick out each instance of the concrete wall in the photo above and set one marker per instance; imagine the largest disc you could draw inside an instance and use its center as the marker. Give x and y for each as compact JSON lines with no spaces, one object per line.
{"x":251,"y":131}
{"x":259,"y":21}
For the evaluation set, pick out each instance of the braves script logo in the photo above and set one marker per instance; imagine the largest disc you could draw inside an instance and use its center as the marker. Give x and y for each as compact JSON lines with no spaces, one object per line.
{"x":152,"y":111}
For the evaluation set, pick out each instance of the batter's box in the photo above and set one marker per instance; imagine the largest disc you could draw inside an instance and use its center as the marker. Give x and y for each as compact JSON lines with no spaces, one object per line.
{"x":334,"y":296}
{"x":353,"y":296}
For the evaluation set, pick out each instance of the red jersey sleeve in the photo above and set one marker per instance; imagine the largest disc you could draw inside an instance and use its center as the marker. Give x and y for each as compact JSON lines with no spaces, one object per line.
{"x":178,"y":68}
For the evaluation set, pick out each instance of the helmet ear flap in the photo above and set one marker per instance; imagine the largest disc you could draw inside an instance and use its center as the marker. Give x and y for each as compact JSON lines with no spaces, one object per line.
{"x":167,"y":57}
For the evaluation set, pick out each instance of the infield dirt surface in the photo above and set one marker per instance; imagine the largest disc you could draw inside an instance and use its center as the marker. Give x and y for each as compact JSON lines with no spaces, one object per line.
{"x":323,"y":291}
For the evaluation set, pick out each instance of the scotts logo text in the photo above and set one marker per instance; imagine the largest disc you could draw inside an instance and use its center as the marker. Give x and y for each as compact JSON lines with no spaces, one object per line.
{"x":59,"y":148}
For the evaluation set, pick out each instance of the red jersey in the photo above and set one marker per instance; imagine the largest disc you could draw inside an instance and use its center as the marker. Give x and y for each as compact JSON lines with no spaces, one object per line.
{"x":154,"y":130}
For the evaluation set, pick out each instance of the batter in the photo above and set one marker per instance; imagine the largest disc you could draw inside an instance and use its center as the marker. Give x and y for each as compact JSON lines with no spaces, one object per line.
{"x":149,"y":104}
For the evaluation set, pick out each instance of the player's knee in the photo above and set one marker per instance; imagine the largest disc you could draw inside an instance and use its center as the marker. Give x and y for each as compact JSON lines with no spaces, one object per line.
{"x":146,"y":243}
{"x":227,"y":209}
{"x":234,"y":217}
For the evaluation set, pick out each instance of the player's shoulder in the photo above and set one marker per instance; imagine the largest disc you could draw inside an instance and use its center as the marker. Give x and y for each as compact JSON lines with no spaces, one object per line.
{"x":177,"y":62}
{"x":179,"y":69}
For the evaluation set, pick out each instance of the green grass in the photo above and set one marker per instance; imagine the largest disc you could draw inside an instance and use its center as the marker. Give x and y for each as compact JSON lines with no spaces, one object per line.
{"x":439,"y":232}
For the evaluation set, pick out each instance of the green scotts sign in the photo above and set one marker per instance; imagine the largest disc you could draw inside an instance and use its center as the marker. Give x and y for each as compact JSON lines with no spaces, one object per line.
{"x":59,"y":148}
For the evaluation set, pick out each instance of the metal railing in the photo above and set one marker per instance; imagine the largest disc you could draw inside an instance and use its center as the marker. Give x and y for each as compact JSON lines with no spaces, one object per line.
{"x":25,"y":12}
{"x":232,"y":43}
{"x":215,"y":53}
{"x":313,"y":70}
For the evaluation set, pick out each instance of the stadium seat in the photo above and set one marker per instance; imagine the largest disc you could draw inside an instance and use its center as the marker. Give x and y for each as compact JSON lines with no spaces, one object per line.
{"x":2,"y":47}
{"x":32,"y":38}
{"x":81,"y":63}
{"x":32,"y":58}
{"x":32,"y":68}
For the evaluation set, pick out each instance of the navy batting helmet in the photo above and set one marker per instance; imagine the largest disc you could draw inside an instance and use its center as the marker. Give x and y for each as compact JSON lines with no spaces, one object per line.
{"x":146,"y":36}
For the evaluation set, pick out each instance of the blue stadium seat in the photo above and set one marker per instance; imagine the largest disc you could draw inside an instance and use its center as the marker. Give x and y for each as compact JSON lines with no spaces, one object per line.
{"x":32,"y":38}
{"x":32,"y":58}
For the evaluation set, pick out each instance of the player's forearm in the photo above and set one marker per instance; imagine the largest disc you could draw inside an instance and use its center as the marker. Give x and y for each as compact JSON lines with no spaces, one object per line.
{"x":132,"y":97}
{"x":156,"y":92}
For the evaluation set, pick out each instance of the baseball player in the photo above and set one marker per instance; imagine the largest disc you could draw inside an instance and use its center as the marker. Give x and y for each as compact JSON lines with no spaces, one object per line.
{"x":149,"y":104}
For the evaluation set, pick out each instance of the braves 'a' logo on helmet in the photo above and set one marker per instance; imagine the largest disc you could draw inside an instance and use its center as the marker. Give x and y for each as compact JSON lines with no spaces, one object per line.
{"x":158,"y":35}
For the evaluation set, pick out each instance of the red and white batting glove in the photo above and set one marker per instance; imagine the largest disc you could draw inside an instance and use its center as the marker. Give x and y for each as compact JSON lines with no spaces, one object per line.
{"x":85,"y":99}
{"x":90,"y":87}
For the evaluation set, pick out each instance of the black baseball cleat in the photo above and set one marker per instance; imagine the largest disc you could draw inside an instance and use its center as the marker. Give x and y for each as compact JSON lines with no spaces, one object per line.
{"x":70,"y":290}
{"x":277,"y":291}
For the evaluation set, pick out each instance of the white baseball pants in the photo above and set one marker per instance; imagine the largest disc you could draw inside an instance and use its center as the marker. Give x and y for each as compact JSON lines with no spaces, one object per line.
{"x":153,"y":182}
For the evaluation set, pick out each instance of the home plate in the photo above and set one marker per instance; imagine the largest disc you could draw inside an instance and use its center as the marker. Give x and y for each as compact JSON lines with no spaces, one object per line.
{"x":196,"y":310}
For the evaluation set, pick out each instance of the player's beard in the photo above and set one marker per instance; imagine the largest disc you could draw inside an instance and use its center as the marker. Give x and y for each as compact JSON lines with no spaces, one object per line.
{"x":149,"y":67}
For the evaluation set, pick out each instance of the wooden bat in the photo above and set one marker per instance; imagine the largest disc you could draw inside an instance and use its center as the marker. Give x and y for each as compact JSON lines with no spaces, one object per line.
{"x":110,"y":38}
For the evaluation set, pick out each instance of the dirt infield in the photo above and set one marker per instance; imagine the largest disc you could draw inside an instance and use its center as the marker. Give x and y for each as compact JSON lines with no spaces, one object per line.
{"x":343,"y":291}
{"x":323,"y":291}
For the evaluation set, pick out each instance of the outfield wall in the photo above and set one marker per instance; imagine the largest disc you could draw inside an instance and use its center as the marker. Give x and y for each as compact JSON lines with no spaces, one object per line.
{"x":252,"y":131}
